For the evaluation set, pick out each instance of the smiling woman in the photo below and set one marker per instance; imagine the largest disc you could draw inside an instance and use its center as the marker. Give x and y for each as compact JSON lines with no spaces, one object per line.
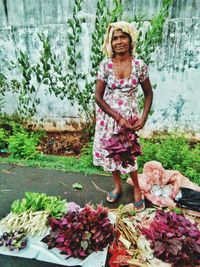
{"x":121,"y":44}
{"x":116,"y":96}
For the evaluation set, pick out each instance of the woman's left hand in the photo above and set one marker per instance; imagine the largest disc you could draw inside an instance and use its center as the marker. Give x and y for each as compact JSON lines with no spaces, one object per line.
{"x":139,"y":124}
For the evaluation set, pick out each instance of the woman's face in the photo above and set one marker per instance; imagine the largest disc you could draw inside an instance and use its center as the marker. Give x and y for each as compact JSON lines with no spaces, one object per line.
{"x":121,"y":42}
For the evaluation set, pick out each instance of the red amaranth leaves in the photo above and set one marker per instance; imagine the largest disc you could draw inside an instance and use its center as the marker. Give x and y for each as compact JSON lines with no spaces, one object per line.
{"x":81,"y":232}
{"x":123,"y":147}
{"x":174,"y":239}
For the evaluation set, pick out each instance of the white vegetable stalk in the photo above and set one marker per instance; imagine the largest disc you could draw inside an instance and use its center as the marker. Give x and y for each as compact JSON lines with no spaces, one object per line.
{"x":32,"y":222}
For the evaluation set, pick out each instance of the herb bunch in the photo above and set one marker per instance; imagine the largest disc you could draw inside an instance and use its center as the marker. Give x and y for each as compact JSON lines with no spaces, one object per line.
{"x":40,"y":202}
{"x":81,"y":232}
{"x":174,"y":239}
{"x":123,"y":147}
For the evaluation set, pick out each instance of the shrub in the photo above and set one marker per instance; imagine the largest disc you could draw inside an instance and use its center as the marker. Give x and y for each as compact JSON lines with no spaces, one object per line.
{"x":3,"y":139}
{"x":23,"y":145}
{"x":11,"y":124}
{"x":175,"y":153}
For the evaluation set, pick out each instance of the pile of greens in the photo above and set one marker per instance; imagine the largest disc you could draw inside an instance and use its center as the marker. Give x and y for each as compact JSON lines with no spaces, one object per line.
{"x":80,"y":232}
{"x":174,"y":239}
{"x":37,"y":202}
{"x":123,"y":147}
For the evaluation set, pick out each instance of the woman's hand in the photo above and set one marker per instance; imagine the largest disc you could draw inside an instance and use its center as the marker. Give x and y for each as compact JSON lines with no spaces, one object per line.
{"x":124,"y":123}
{"x":139,"y":124}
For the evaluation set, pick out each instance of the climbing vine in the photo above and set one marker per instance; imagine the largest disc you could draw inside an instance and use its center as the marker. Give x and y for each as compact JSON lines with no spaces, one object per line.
{"x":75,"y":76}
{"x":148,"y":41}
{"x":147,"y":44}
{"x":27,"y":91}
{"x":103,"y":17}
{"x":32,"y":77}
{"x":69,"y":81}
{"x":3,"y":87}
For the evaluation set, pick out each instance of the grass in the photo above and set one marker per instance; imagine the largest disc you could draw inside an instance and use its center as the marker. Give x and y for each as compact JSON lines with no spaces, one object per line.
{"x":67,"y":164}
{"x":174,"y":152}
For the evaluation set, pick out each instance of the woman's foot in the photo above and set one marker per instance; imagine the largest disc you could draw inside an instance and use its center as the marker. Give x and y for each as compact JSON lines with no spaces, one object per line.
{"x":113,"y":196}
{"x":139,"y":201}
{"x":140,"y":205}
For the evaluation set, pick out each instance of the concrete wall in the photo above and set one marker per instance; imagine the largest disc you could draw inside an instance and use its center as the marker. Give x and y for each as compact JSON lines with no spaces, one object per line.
{"x":175,"y":69}
{"x":41,"y":12}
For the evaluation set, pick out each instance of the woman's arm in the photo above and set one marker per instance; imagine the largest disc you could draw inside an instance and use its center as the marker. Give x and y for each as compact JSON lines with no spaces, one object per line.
{"x":148,"y":97}
{"x":99,"y":92}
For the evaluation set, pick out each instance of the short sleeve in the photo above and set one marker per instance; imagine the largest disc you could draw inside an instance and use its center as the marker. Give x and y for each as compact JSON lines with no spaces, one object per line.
{"x":102,"y":72}
{"x":143,"y":71}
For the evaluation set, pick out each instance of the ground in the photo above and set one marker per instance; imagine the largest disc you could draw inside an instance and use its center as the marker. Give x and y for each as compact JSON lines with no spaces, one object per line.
{"x":15,"y":180}
{"x":63,"y":143}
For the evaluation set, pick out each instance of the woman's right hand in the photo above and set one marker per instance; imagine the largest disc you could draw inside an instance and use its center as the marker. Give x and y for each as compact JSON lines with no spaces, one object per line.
{"x":124,"y":123}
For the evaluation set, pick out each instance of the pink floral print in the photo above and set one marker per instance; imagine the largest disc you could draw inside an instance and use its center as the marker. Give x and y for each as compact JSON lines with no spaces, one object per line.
{"x":121,"y":96}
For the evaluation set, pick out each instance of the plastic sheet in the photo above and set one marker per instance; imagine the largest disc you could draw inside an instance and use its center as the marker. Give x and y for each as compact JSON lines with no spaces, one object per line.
{"x":38,"y":250}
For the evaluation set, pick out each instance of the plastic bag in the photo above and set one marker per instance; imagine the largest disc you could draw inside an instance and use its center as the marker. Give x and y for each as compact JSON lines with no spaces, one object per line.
{"x":190,"y":199}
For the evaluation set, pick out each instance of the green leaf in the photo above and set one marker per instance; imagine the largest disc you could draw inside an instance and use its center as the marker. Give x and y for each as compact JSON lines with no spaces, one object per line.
{"x":84,"y":244}
{"x":177,"y":210}
{"x":77,"y":186}
{"x":78,"y":55}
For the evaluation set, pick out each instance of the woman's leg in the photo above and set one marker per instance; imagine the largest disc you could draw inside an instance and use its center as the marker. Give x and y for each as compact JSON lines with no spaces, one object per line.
{"x":112,"y":196}
{"x":117,"y":182}
{"x":136,"y":189}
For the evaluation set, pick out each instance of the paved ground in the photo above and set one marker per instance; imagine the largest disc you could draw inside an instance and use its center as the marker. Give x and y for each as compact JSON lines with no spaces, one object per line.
{"x":15,"y":180}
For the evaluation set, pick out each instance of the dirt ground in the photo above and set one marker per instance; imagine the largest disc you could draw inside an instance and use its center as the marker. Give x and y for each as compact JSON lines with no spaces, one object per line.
{"x":69,"y":143}
{"x":63,"y":143}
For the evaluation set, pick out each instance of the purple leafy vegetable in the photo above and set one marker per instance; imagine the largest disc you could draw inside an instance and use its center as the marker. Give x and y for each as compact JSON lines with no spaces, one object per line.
{"x":123,"y":147}
{"x":174,"y":239}
{"x":80,"y":232}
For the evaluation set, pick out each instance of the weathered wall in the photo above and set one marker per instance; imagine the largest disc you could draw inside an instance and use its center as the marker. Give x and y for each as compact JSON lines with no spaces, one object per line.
{"x":175,"y":70}
{"x":41,"y":12}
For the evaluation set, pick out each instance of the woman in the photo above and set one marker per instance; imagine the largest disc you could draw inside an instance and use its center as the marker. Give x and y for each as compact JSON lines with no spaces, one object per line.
{"x":116,"y":96}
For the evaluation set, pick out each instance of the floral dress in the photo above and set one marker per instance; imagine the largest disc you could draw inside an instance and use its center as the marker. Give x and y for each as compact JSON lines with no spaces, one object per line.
{"x":121,"y":96}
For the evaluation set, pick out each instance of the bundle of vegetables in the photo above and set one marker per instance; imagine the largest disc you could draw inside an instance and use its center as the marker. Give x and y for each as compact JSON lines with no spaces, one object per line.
{"x":32,"y":212}
{"x":36,"y":202}
{"x":33,"y":222}
{"x":81,"y":232}
{"x":14,"y":240}
{"x":174,"y":239}
{"x":127,"y":233}
{"x":123,"y":147}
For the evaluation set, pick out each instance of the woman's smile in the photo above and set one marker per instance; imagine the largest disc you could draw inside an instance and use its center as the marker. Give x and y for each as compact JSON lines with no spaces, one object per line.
{"x":120,"y":42}
{"x":119,"y":46}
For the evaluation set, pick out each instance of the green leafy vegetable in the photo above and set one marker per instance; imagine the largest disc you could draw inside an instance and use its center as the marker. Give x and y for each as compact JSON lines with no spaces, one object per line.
{"x":77,"y":186}
{"x":36,"y":201}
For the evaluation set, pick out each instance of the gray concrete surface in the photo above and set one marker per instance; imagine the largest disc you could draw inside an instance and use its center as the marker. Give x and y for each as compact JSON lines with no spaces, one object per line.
{"x":15,"y":180}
